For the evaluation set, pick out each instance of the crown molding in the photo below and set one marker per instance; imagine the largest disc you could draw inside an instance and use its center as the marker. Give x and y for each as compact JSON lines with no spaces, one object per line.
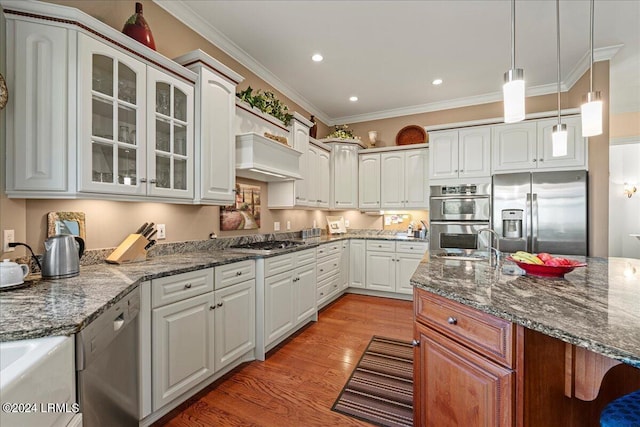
{"x":601,"y":54}
{"x":625,"y":140}
{"x":181,"y":11}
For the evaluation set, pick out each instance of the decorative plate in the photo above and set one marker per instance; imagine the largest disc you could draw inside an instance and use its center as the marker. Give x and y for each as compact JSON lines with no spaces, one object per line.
{"x":547,"y":270}
{"x":4,"y":93}
{"x":411,"y":134}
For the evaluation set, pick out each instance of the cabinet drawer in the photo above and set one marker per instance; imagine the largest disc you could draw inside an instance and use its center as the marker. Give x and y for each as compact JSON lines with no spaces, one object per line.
{"x":181,"y":286}
{"x":327,"y":288}
{"x":381,"y":245}
{"x":305,"y":257}
{"x":278,"y":264}
{"x":230,"y":274}
{"x":328,"y":266}
{"x":329,"y":249}
{"x":487,"y":334}
{"x":412,"y":247}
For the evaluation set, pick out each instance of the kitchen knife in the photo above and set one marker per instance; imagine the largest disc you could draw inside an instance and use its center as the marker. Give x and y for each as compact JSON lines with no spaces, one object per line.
{"x":151,"y":235}
{"x":141,"y":229}
{"x":151,"y":243}
{"x":148,"y":229}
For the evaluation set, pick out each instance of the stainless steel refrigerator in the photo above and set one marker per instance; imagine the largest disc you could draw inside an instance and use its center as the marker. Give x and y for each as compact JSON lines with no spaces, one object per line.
{"x":541,"y":212}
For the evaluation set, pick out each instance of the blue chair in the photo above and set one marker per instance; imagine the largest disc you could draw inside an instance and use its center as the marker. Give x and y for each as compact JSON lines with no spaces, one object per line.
{"x":622,"y":412}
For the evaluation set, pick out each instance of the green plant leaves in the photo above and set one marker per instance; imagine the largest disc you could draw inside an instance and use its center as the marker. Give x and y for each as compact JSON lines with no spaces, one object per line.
{"x":267,"y":102}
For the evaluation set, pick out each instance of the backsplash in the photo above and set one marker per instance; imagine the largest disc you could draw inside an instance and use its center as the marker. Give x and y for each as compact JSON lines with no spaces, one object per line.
{"x":97,"y":256}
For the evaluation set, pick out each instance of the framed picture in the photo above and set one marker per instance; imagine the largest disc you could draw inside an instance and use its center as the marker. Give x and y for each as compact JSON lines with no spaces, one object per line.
{"x":66,"y":223}
{"x":336,"y":225}
{"x":245,"y":213}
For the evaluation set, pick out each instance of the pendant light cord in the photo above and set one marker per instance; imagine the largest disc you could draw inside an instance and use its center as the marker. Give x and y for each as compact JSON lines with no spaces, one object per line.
{"x":513,"y":34}
{"x":591,"y":48}
{"x":558,"y":51}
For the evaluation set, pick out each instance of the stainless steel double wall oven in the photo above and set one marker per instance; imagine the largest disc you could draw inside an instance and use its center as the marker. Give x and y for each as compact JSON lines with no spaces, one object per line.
{"x":457,"y":213}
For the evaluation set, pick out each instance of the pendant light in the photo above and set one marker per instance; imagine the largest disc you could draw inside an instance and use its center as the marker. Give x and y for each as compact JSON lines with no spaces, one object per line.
{"x":559,"y":134}
{"x":513,"y":89}
{"x":591,"y":108}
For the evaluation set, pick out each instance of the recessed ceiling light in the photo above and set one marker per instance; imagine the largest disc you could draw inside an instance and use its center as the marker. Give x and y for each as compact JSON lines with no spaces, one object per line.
{"x":317,"y":57}
{"x":353,"y":98}
{"x":436,"y":82}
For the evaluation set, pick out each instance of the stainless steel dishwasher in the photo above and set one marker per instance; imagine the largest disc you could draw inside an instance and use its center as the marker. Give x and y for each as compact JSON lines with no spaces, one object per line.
{"x":107,"y":363}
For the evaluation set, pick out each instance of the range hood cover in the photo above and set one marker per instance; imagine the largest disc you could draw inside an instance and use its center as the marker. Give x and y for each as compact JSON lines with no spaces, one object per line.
{"x":263,"y":159}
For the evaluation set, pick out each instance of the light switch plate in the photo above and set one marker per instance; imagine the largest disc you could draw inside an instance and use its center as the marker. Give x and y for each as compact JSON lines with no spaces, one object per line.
{"x":346,"y":222}
{"x":276,"y":226}
{"x":288,"y":225}
{"x":162,"y":232}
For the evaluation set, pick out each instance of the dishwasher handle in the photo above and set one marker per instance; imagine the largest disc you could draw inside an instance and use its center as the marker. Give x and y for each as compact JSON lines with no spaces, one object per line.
{"x":98,"y":334}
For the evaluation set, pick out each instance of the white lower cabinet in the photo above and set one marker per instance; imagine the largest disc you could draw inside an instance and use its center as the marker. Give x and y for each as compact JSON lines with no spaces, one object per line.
{"x":328,"y":272}
{"x":235,"y":332}
{"x":199,"y":327}
{"x":182,"y":347}
{"x":288,"y":297}
{"x":390,"y":265}
{"x":344,"y":265}
{"x":357,"y":263}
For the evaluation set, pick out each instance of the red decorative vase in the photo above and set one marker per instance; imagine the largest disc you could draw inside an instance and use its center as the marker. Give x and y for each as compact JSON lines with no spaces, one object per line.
{"x":137,"y":28}
{"x":314,"y":129}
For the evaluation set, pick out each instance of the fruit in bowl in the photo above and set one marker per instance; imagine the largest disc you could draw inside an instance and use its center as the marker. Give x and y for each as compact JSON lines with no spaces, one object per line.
{"x":544,"y":264}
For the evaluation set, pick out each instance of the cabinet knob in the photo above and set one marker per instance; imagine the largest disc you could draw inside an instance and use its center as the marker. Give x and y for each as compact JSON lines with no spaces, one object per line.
{"x":219,"y":304}
{"x":415,"y":343}
{"x":143,"y":179}
{"x":321,"y":270}
{"x":335,"y":265}
{"x":335,"y":286}
{"x":456,"y":170}
{"x":239,"y":273}
{"x":321,"y":293}
{"x":187,"y":286}
{"x":452,"y":320}
{"x":542,"y":160}
{"x":212,"y":307}
{"x":535,"y":160}
{"x":152,"y":181}
{"x":461,"y":170}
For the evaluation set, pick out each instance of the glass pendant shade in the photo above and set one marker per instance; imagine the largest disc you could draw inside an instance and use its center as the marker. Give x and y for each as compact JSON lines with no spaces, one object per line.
{"x":559,"y":140}
{"x":513,"y":91}
{"x":591,"y":112}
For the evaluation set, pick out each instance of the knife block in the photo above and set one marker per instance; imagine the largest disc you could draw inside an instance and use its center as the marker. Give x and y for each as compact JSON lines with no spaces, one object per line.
{"x":130,"y":250}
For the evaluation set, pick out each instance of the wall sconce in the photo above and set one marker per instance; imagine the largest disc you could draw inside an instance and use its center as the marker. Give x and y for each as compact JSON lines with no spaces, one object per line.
{"x":373,"y":137}
{"x":629,"y":189}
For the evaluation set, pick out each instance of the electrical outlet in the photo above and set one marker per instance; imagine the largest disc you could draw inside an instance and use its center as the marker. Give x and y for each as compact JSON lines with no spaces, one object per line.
{"x":9,"y":237}
{"x":346,"y":223}
{"x":288,"y":225}
{"x":314,"y":223}
{"x":162,"y":232}
{"x":276,"y":226}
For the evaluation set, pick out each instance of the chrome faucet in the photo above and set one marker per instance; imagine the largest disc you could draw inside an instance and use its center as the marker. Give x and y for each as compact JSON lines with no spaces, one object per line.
{"x":491,"y":248}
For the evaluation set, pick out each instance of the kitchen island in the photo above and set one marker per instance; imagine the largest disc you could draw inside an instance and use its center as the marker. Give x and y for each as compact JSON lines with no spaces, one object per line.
{"x":543,"y":351}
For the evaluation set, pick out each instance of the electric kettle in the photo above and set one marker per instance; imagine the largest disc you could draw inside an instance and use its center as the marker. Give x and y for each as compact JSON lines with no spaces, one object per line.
{"x":62,"y":256}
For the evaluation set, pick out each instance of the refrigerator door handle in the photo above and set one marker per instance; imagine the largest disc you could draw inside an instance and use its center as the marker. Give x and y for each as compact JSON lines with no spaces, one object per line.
{"x":534,"y":222}
{"x":526,"y":226}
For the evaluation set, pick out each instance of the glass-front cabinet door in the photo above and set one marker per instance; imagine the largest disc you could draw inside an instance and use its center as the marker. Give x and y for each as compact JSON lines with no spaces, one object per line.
{"x":112,"y":137}
{"x":170,"y":107}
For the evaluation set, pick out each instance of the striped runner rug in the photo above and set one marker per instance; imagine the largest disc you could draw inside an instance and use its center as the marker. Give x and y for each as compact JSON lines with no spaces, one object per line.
{"x":380,"y":390}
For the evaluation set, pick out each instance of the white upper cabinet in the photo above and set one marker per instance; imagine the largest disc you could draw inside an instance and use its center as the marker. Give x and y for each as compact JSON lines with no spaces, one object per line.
{"x":38,"y":70}
{"x":464,"y":153}
{"x":404,"y":182}
{"x":527,"y":146}
{"x":318,"y":175}
{"x":344,"y":176}
{"x":92,"y":129}
{"x":576,"y":157}
{"x":324,"y":178}
{"x":215,"y":100}
{"x":369,"y":181}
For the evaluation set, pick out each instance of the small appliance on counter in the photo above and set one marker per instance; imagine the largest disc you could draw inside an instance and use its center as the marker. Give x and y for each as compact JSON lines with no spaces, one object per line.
{"x":12,"y":274}
{"x":61,"y":258}
{"x":336,"y":225}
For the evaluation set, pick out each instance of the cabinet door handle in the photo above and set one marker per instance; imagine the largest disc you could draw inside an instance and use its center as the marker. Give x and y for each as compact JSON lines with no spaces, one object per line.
{"x":535,"y":160}
{"x":415,"y":343}
{"x":239,"y":273}
{"x":219,"y":304}
{"x":542,"y":160}
{"x":187,"y":286}
{"x":461,"y":170}
{"x":212,"y":307}
{"x":452,"y":320}
{"x":143,"y":179}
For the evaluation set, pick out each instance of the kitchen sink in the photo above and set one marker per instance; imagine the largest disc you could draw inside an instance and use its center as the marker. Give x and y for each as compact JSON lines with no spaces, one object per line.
{"x":38,"y":372}
{"x":461,"y":257}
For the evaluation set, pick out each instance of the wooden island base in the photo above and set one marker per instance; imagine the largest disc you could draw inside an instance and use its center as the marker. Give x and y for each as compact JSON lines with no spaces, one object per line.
{"x":543,"y":379}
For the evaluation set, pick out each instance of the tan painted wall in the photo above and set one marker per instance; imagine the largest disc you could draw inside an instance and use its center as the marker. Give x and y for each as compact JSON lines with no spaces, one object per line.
{"x":624,"y":125}
{"x":109,"y":222}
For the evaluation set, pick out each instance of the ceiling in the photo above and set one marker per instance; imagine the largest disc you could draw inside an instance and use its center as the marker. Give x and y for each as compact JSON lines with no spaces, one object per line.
{"x":387,"y":53}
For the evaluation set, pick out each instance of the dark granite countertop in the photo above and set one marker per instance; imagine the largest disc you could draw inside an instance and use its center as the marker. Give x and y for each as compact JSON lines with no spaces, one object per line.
{"x":65,"y":306}
{"x":596,"y":307}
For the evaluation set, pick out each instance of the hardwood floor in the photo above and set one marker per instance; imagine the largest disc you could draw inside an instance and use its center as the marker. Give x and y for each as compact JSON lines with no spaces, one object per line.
{"x":300,"y":380}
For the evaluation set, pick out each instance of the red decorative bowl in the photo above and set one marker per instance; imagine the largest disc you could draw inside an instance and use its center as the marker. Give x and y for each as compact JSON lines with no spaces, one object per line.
{"x":547,"y":270}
